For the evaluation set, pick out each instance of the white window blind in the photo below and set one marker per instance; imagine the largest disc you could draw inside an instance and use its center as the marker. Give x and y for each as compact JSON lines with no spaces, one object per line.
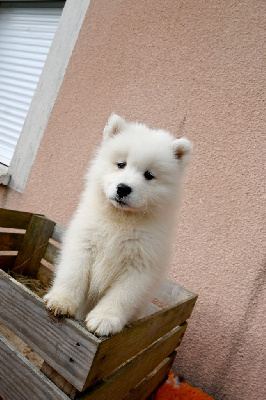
{"x":26,"y":35}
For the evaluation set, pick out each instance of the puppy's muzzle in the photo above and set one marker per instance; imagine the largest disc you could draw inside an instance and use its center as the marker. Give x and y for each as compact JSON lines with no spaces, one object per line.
{"x":123,"y":190}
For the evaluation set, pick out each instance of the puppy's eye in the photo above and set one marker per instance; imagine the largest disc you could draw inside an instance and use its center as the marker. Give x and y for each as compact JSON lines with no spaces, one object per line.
{"x":148,"y":175}
{"x":121,"y":165}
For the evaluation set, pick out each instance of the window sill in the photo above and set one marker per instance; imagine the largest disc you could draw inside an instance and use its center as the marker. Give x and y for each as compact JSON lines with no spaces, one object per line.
{"x":4,"y":176}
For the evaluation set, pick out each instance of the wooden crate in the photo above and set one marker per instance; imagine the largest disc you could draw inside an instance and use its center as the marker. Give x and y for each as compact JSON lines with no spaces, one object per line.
{"x":77,"y":364}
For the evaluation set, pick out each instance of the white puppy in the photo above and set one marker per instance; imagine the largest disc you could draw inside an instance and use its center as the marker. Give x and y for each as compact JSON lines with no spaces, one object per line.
{"x":117,"y":247}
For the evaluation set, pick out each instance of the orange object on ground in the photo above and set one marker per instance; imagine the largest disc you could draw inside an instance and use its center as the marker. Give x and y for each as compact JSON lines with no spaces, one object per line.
{"x":175,"y":388}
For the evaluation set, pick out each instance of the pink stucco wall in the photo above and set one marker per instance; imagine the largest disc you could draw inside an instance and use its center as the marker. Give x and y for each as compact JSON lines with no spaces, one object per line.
{"x":194,"y":67}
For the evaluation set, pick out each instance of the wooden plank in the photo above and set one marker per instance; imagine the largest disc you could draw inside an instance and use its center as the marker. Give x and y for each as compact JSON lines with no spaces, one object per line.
{"x":171,"y":293}
{"x":119,"y":385}
{"x":58,"y":233}
{"x":66,"y":345}
{"x":152,"y":308}
{"x":20,"y":380}
{"x":58,"y":380}
{"x":121,"y":347}
{"x":51,"y":253}
{"x":14,"y":219}
{"x":45,"y":274}
{"x":34,"y":245}
{"x":153,"y":380}
{"x":7,"y":262}
{"x":10,"y":241}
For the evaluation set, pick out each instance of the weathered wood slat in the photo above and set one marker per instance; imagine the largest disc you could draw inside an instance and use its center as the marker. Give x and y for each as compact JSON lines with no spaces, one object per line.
{"x":20,"y":380}
{"x":58,"y":380}
{"x":153,"y":380}
{"x":58,"y":233}
{"x":121,"y":347}
{"x":171,"y":293}
{"x":10,"y":241}
{"x":34,"y":245}
{"x":45,"y":275}
{"x":51,"y":253}
{"x":152,"y":308}
{"x":14,"y":219}
{"x":7,"y":262}
{"x":140,"y":392}
{"x":63,"y":343}
{"x":118,"y":385}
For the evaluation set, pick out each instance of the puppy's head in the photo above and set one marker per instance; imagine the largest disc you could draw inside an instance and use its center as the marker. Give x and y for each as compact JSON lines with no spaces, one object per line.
{"x":140,"y":168}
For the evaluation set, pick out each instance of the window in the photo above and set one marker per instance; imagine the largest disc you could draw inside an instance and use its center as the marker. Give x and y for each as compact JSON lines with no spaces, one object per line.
{"x":26,"y":33}
{"x":47,"y":88}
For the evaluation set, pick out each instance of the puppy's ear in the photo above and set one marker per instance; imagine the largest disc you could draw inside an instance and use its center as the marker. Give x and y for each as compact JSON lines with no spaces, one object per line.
{"x":114,"y":125}
{"x":182,"y":150}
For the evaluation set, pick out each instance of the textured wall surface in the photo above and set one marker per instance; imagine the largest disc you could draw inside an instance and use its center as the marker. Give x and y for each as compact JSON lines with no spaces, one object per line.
{"x":194,"y":67}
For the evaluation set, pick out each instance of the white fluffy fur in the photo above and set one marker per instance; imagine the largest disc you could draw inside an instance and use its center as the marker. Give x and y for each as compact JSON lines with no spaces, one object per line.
{"x":115,"y":255}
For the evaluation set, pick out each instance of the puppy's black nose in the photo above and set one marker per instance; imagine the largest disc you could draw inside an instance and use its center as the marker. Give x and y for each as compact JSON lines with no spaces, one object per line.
{"x":123,"y":190}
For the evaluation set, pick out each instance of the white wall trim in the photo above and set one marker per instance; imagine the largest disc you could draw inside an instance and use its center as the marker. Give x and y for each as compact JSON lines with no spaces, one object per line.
{"x":46,"y":92}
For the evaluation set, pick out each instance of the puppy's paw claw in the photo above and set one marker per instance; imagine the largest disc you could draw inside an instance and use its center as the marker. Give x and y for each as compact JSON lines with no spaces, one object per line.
{"x":60,"y":304}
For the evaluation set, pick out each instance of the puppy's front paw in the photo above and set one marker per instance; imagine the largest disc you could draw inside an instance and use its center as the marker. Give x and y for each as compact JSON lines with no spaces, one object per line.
{"x":60,"y":303}
{"x":103,"y":324}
